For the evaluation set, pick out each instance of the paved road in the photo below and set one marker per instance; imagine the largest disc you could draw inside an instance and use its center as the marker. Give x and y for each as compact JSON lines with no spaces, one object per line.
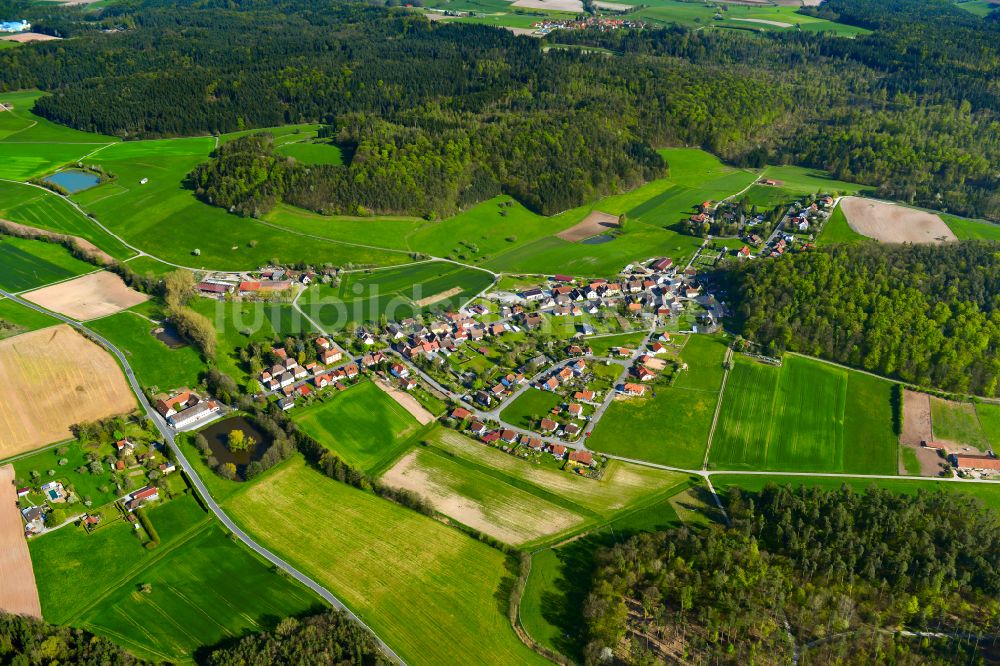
{"x":168,"y":437}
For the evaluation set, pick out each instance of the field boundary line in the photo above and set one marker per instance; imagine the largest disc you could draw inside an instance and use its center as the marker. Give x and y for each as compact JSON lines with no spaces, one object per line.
{"x":718,"y":405}
{"x":144,"y":564}
{"x":57,"y":282}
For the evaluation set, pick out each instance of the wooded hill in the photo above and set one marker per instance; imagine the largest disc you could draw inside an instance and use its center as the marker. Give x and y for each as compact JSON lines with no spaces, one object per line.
{"x":926,"y":314}
{"x":831,"y":575}
{"x":444,"y":115}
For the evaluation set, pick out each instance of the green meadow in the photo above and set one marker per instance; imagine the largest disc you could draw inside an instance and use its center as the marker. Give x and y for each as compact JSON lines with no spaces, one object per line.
{"x":430,"y":591}
{"x":156,"y":365}
{"x":28,"y":264}
{"x":32,"y":146}
{"x":804,"y":416}
{"x":42,"y":209}
{"x":743,"y":17}
{"x":166,"y":220}
{"x":967,"y":229}
{"x":204,"y":587}
{"x":958,"y":422}
{"x":16,"y":318}
{"x":312,"y":153}
{"x":837,"y":230}
{"x":672,"y":427}
{"x":363,"y":425}
{"x":529,"y":407}
{"x":394,"y":292}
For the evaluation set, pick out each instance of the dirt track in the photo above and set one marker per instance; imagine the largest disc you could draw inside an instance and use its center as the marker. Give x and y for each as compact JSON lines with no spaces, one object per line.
{"x":52,"y":379}
{"x":88,"y":297}
{"x":18,"y":593}
{"x":892,"y":223}
{"x":595,"y":223}
{"x":430,"y":300}
{"x":916,"y":429}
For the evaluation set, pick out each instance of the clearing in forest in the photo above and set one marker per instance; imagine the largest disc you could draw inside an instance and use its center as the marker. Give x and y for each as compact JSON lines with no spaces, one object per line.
{"x":88,"y":297}
{"x":54,"y":378}
{"x":892,"y":223}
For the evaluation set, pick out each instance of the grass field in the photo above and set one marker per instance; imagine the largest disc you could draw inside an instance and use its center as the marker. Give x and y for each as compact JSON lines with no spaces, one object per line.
{"x":205,"y":588}
{"x":430,"y":591}
{"x":623,"y":485}
{"x":529,"y":407}
{"x":85,"y":484}
{"x":837,"y":230}
{"x":363,"y":425}
{"x":16,"y":319}
{"x":804,"y":416}
{"x":966,"y":229}
{"x":978,"y":7}
{"x":312,"y":153}
{"x":744,"y":17}
{"x":166,"y":220}
{"x":483,"y":500}
{"x":957,"y":422}
{"x":39,"y":208}
{"x":989,"y":419}
{"x":397,"y":293}
{"x":672,"y":427}
{"x":989,"y":493}
{"x":32,"y":146}
{"x":156,"y":365}
{"x":28,"y":264}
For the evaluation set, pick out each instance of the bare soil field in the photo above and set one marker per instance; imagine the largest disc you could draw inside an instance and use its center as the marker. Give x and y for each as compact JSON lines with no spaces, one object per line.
{"x":18,"y":594}
{"x":554,"y":5}
{"x":88,"y":297}
{"x":592,"y":225}
{"x":613,"y":6}
{"x":916,"y":429}
{"x":24,"y":37}
{"x":513,"y":519}
{"x":52,"y":379}
{"x":88,"y":248}
{"x":892,"y":223}
{"x":407,"y":402}
{"x":777,"y":24}
{"x":431,"y":300}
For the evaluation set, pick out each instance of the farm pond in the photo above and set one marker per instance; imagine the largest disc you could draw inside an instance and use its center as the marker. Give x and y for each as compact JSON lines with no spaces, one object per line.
{"x":217,"y":435}
{"x":74,"y":180}
{"x":169,"y":336}
{"x":598,"y":240}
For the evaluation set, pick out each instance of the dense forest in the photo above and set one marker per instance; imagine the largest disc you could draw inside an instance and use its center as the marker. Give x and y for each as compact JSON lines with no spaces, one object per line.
{"x":926,"y":314}
{"x":328,"y":638}
{"x":25,"y":642}
{"x":443,"y":115}
{"x":807,"y":575}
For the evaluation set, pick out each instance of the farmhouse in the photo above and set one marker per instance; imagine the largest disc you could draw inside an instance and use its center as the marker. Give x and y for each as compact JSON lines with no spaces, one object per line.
{"x":195,"y":414}
{"x":975,"y":462}
{"x":141,"y":496}
{"x":169,"y":406}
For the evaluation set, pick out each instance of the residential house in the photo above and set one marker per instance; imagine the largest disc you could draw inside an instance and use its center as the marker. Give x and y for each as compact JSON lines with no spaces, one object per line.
{"x":634,"y":389}
{"x":460,"y":413}
{"x":548,"y":425}
{"x":575,"y":409}
{"x":582,"y":458}
{"x":558,"y":451}
{"x":329,"y":356}
{"x":141,"y":496}
{"x":286,"y":403}
{"x":477,"y":427}
{"x":399,"y":370}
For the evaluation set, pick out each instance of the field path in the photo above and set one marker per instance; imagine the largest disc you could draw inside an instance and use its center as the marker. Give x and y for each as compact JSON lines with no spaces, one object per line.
{"x":718,"y":408}
{"x":168,"y":437}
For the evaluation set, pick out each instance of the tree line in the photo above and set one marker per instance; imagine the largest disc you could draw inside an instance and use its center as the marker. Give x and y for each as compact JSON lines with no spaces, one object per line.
{"x":820,"y":576}
{"x":925,"y":314}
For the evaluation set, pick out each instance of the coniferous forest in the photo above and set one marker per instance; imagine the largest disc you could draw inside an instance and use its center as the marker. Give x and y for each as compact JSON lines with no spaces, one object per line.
{"x":807,"y":575}
{"x":441,"y":116}
{"x":929,"y":315}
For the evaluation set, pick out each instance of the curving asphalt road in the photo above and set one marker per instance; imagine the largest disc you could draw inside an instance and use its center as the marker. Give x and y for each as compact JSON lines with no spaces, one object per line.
{"x":168,"y":437}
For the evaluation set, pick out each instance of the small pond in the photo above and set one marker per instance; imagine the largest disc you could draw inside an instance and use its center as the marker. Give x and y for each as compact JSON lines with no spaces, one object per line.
{"x":598,"y":240}
{"x":74,"y":180}
{"x":169,"y":336}
{"x":217,"y":435}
